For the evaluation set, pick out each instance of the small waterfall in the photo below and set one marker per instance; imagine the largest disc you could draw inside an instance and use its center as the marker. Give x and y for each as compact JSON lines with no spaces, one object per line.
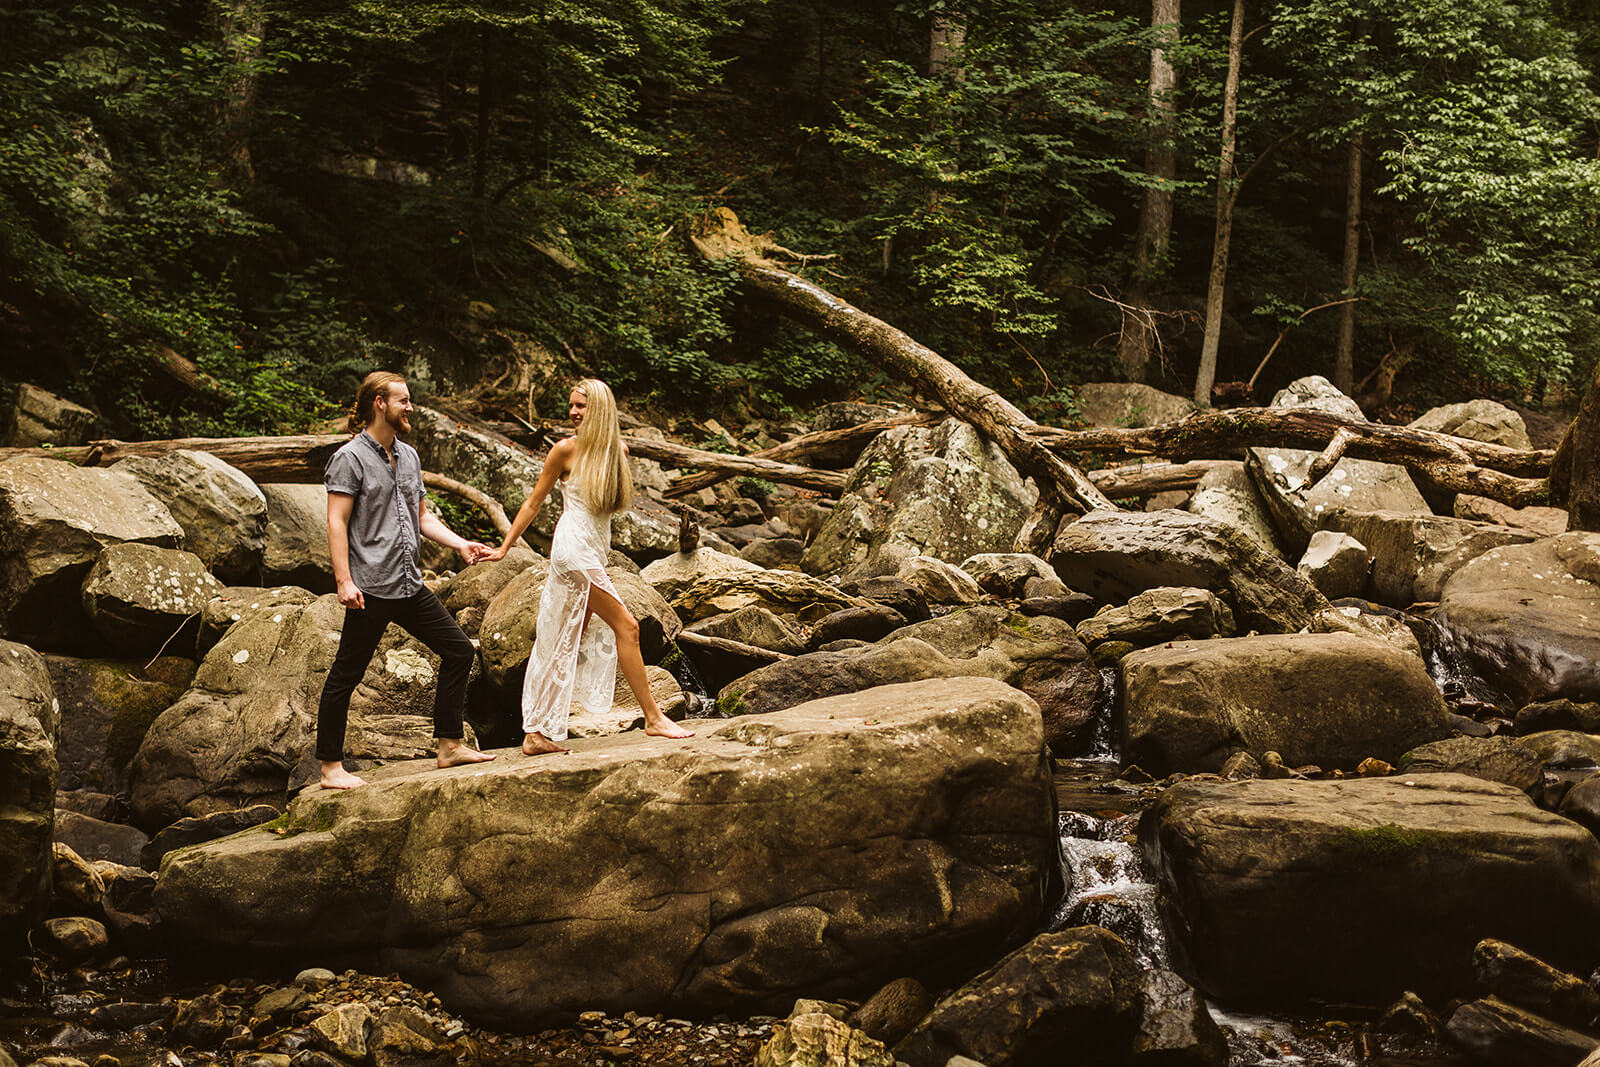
{"x":1103,"y":741}
{"x":1107,"y":885}
{"x":1464,"y":690}
{"x":702,"y":705}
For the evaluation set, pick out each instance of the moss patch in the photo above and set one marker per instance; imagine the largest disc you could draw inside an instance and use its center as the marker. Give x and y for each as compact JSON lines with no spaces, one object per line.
{"x":1389,"y":842}
{"x":731,"y":704}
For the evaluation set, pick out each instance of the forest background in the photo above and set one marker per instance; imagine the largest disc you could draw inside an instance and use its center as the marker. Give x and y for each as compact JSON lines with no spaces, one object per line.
{"x":216,"y":214}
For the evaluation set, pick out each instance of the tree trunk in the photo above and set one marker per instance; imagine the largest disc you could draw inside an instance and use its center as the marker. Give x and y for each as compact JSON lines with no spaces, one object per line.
{"x":1344,"y":354}
{"x":1575,"y":474}
{"x":1150,"y":243}
{"x":1227,"y":190}
{"x":480,"y":149}
{"x":947,"y":39}
{"x":994,"y":416}
{"x":240,"y":28}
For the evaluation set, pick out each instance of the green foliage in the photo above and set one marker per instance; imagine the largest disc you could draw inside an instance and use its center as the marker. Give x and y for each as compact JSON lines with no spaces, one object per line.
{"x":463,"y":518}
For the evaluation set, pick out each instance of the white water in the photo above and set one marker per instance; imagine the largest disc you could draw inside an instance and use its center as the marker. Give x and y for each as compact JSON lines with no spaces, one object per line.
{"x":1107,"y":886}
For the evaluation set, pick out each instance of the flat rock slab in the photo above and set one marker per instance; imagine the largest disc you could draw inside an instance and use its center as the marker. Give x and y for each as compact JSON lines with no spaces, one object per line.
{"x":1527,"y":617}
{"x":1358,"y":890}
{"x":907,"y":830}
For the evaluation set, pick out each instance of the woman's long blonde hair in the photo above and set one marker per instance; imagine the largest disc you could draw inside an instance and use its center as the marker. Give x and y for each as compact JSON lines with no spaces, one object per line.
{"x":599,"y":465}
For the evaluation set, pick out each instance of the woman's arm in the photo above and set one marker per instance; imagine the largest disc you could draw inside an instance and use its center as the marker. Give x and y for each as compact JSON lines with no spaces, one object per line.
{"x":556,"y":465}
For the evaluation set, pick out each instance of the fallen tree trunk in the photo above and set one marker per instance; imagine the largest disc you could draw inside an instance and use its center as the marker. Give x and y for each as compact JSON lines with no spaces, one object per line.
{"x":262,"y":459}
{"x":725,"y":644}
{"x":476,"y":497}
{"x":993,"y":415}
{"x":829,"y":482}
{"x":1146,"y":479}
{"x":806,"y":445}
{"x":1455,"y":464}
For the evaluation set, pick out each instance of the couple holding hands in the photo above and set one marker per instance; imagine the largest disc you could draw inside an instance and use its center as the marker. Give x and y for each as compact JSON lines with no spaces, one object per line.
{"x":376,"y":516}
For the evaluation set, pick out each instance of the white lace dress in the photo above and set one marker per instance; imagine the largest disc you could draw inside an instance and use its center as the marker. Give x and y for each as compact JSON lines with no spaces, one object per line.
{"x":570,"y":663}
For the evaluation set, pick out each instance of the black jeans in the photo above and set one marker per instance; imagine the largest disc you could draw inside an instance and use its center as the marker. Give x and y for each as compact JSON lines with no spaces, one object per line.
{"x":421,"y":616}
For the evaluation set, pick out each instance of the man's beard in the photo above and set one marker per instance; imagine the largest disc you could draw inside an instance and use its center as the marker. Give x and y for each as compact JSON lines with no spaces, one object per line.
{"x":398,"y":423}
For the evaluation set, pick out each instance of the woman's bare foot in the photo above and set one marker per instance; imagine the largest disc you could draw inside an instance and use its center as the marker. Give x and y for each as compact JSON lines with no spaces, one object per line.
{"x":537,"y":744}
{"x":661,"y":726}
{"x":334,"y":776}
{"x":457,"y":753}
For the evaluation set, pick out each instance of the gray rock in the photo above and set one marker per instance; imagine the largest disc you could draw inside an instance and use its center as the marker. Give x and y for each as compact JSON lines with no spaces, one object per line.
{"x":782,"y":592}
{"x":1496,"y":1032}
{"x":1558,"y":714}
{"x":296,"y":548}
{"x":1336,"y":563}
{"x":774,"y":553}
{"x":671,"y":575}
{"x":1006,"y":573}
{"x":72,"y":940}
{"x":1116,"y":555}
{"x":198,"y":829}
{"x":1129,"y":404}
{"x":234,"y":602}
{"x":1079,"y":989}
{"x":939,"y":491}
{"x":57,"y":519}
{"x":1476,"y":420}
{"x":204,"y":1021}
{"x":754,"y":625}
{"x":701,"y":827}
{"x":1413,"y":556}
{"x":40,"y":417}
{"x":343,"y":1031}
{"x":1435,"y":857}
{"x":97,"y":839}
{"x":816,"y":1038}
{"x":1175,"y":1027}
{"x":1542,"y":522}
{"x":1328,"y":699}
{"x":223,"y":513}
{"x":1524,"y":616}
{"x":862,"y":624}
{"x":939,"y":582}
{"x":144,"y":599}
{"x":106,"y":707}
{"x":1494,"y":759}
{"x":28,"y":725}
{"x":1160,"y":615}
{"x":1227,"y":494}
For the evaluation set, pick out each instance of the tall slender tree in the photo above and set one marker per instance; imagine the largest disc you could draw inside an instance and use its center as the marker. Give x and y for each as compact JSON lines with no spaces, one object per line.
{"x":1227,"y":195}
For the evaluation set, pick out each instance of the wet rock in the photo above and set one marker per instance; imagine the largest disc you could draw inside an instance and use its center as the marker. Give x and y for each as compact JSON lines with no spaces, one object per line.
{"x":197,"y":829}
{"x":891,"y":1012}
{"x":129,"y":905}
{"x":918,"y":890}
{"x":223,"y":513}
{"x":1409,"y":1015}
{"x":106,"y":707}
{"x":1116,"y":555}
{"x":280,"y":1003}
{"x":1559,"y":714}
{"x":1079,"y":989}
{"x":1419,"y":864}
{"x":96,"y":839}
{"x":28,"y":725}
{"x":1524,"y":616}
{"x":295,"y":551}
{"x":1413,"y":556}
{"x":1160,"y":615}
{"x":401,"y":1037}
{"x":818,"y":1040}
{"x":1336,"y":563}
{"x":1498,"y":1032}
{"x":861,"y":624}
{"x":1227,"y":495}
{"x":79,"y":889}
{"x":343,"y":1031}
{"x":125,"y":1015}
{"x":939,"y":491}
{"x":1581,"y":804}
{"x":1330,"y":699}
{"x":72,"y":940}
{"x":1494,"y":759}
{"x":261,"y":1059}
{"x":1175,"y":1027}
{"x":1526,"y":981}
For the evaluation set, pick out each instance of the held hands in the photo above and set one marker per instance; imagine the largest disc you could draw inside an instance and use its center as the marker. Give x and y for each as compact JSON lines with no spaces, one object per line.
{"x":476,"y":552}
{"x":350,"y":596}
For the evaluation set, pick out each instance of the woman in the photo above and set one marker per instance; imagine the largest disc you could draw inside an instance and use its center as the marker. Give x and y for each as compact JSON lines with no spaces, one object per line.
{"x":572,"y":660}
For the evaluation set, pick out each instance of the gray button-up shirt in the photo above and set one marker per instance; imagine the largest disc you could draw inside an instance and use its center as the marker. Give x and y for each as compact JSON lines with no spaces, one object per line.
{"x":383,"y":521}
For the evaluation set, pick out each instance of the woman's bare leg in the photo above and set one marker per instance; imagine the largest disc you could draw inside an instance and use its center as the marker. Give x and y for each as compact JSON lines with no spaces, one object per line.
{"x":631,"y":660}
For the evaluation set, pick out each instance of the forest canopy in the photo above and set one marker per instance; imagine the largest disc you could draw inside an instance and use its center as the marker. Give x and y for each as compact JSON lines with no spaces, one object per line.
{"x":214,"y":217}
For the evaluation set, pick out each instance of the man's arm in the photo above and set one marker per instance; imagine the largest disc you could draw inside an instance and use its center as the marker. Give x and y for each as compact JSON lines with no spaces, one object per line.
{"x":434,"y":529}
{"x":340,"y":505}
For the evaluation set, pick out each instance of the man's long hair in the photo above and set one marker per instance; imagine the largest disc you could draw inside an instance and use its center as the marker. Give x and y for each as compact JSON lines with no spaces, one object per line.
{"x":374,"y":385}
{"x":599,"y":465}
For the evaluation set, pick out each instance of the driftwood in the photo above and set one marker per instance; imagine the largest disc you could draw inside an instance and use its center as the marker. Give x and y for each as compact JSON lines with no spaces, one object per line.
{"x":1454,"y":464}
{"x":806,"y":445}
{"x":476,"y":497}
{"x":992,"y":414}
{"x":724,"y":644}
{"x":1145,"y":479}
{"x":829,"y":482}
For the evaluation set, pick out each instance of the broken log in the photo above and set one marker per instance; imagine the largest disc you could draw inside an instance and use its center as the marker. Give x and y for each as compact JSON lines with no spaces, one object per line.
{"x":476,"y":497}
{"x":721,"y":236}
{"x":828,"y":482}
{"x":262,"y":459}
{"x":724,"y":644}
{"x":806,"y":445}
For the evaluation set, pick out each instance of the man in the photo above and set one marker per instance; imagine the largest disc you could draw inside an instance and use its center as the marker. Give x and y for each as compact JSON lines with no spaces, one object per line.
{"x":376,"y":513}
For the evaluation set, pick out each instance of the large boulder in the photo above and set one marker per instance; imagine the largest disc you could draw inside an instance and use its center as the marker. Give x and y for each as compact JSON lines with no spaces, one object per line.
{"x":1527,"y":617}
{"x":40,"y":417}
{"x":1476,"y":420}
{"x":1282,"y":475}
{"x":239,"y":734}
{"x":28,"y":718}
{"x":106,"y":707}
{"x":223,"y":513}
{"x":781,"y":592}
{"x":940,"y":491}
{"x":146,"y":599}
{"x":673,"y":574}
{"x":1115,"y":555}
{"x":296,"y":548}
{"x":1079,"y":988}
{"x":1039,"y":655}
{"x":925,"y":847}
{"x":55,"y":519}
{"x":1414,"y":555}
{"x":1328,"y":699}
{"x":1545,"y":522}
{"x":1283,"y":891}
{"x":1126,"y":404}
{"x":1227,"y":494}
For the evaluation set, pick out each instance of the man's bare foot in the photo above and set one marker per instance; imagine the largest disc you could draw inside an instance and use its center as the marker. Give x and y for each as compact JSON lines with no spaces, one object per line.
{"x":665,"y":727}
{"x":457,"y":754}
{"x":334,"y":776}
{"x":537,"y":744}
